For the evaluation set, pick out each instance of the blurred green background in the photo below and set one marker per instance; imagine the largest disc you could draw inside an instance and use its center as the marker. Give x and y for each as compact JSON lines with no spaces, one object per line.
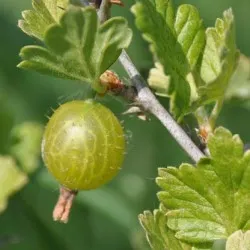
{"x":105,"y":218}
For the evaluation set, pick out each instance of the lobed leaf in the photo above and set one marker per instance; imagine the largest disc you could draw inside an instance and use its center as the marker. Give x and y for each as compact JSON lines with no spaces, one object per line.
{"x":190,"y":33}
{"x":79,"y":48}
{"x":166,"y":9}
{"x":159,"y":81}
{"x":177,"y":41}
{"x":219,"y":59}
{"x":45,"y":13}
{"x":209,"y":202}
{"x":11,"y":178}
{"x":159,"y":236}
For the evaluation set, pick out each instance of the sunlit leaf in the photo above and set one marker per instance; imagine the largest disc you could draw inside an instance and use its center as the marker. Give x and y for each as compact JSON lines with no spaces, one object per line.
{"x":79,"y":48}
{"x":210,"y":201}
{"x":45,"y":13}
{"x":177,"y":41}
{"x":190,"y":33}
{"x":219,"y":59}
{"x":158,"y":81}
{"x":159,"y":236}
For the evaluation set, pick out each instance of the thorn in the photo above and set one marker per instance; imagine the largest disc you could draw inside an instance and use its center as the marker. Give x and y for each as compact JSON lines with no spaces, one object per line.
{"x":138,"y":111}
{"x":132,"y":110}
{"x":61,"y":8}
{"x":143,"y":117}
{"x":206,"y":151}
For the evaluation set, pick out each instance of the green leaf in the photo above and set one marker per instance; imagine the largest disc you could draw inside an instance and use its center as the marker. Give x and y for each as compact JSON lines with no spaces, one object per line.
{"x":79,"y":48}
{"x":159,"y":236}
{"x":158,"y":81}
{"x":176,"y":41}
{"x":11,"y":179}
{"x":79,"y":2}
{"x":239,"y":85}
{"x":45,"y":13}
{"x":219,"y":59}
{"x":166,"y":9}
{"x":26,"y":145}
{"x":238,"y":241}
{"x":190,"y":33}
{"x":210,"y":201}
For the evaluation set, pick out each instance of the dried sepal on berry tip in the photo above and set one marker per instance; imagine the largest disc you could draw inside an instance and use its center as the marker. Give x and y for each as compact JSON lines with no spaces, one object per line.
{"x":63,"y":206}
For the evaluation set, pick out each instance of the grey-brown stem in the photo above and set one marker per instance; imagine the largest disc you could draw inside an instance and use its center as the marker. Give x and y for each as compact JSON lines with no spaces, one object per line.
{"x":150,"y":103}
{"x":147,"y":100}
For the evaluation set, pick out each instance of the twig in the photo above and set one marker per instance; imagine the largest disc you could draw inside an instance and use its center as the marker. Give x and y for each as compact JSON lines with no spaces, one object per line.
{"x":104,"y":11}
{"x":149,"y":102}
{"x":146,"y":99}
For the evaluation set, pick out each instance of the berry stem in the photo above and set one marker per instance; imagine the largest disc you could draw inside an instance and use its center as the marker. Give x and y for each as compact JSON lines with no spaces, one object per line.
{"x":63,"y":206}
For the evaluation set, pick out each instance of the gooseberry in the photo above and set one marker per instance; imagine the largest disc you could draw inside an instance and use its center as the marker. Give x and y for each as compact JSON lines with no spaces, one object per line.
{"x":83,"y":145}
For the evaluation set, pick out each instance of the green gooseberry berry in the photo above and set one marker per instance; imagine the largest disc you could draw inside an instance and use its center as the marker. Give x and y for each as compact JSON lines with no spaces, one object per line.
{"x":83,"y":145}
